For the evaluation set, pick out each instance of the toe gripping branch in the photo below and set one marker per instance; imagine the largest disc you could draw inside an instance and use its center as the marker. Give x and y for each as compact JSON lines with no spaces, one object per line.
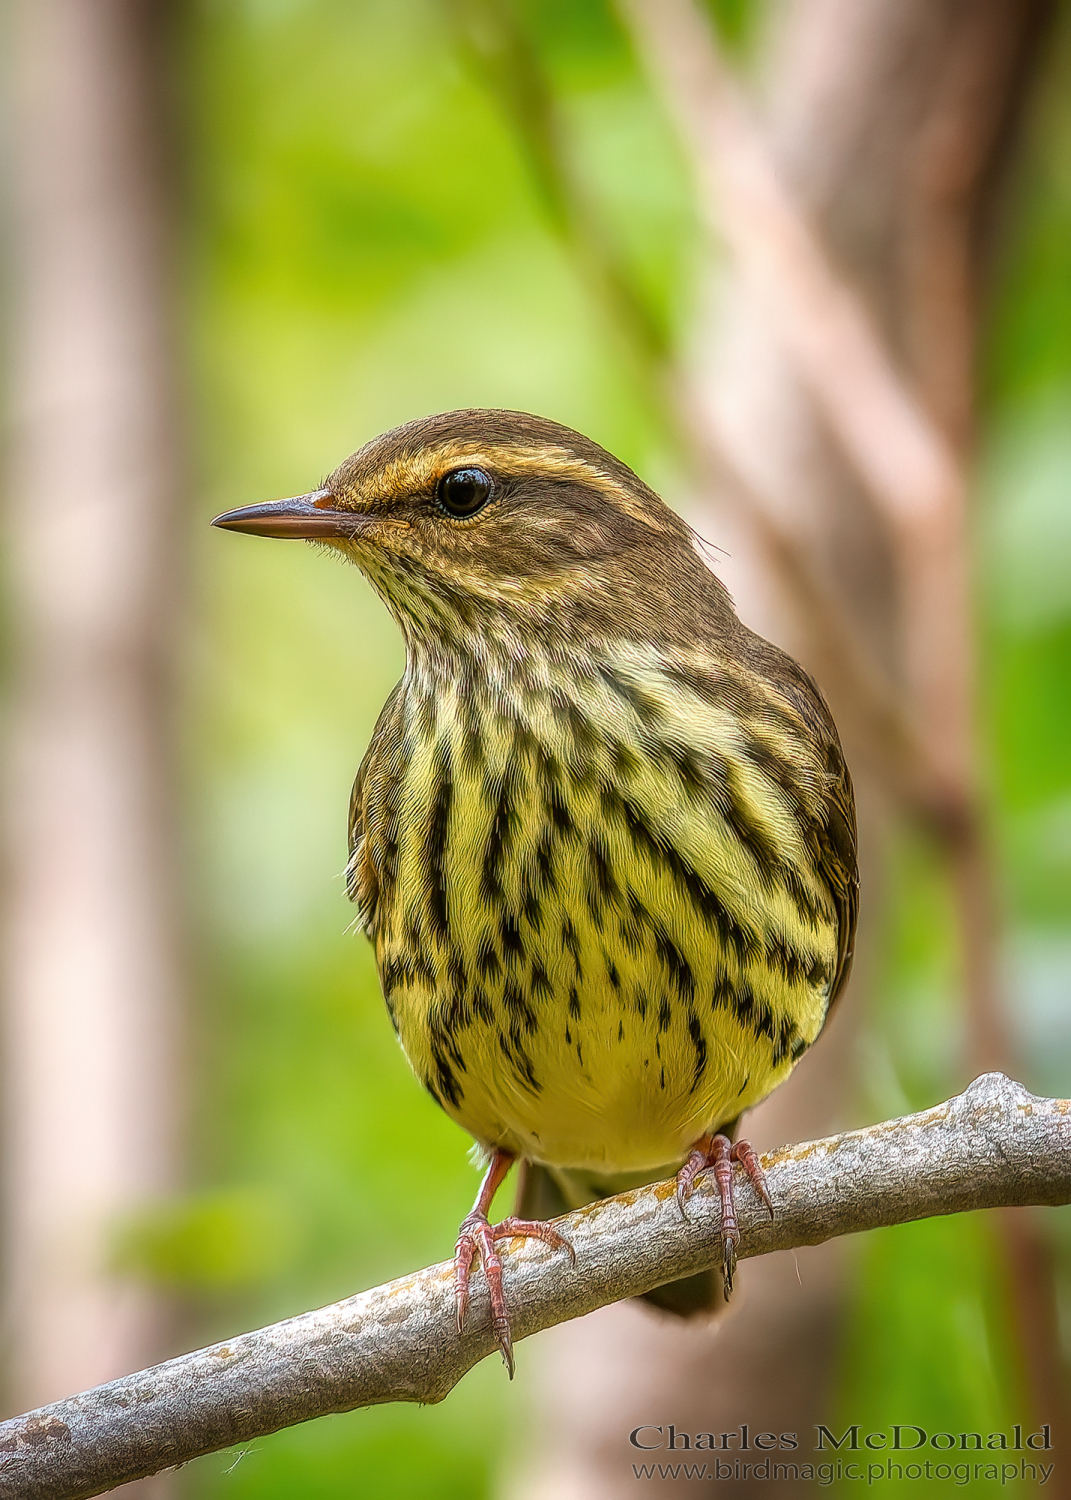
{"x":477,"y":1240}
{"x":717,"y":1153}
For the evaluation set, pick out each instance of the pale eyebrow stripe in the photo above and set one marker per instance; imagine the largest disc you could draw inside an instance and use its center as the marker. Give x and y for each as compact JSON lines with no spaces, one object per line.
{"x":404,"y":475}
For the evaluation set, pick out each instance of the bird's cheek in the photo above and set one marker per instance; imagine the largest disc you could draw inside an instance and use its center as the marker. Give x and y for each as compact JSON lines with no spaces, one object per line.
{"x":378,"y":539}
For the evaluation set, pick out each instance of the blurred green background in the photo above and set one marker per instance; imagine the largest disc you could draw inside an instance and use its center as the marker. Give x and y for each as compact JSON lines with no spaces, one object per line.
{"x":365,"y":245}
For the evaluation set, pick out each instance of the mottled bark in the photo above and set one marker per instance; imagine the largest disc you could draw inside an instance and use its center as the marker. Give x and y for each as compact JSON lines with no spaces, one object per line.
{"x":994,"y":1144}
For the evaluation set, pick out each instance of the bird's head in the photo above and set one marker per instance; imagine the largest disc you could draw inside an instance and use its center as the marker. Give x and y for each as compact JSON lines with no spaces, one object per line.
{"x":475,"y":518}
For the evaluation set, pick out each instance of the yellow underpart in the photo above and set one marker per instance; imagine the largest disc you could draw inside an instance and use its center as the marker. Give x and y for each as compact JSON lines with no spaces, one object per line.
{"x":636,"y":1035}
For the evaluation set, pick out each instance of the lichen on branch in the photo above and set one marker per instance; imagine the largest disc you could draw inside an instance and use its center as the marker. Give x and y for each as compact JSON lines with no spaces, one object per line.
{"x":993,"y":1146}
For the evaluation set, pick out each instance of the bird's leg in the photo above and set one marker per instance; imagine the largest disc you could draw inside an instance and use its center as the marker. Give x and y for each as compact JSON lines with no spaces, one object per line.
{"x":717,"y":1153}
{"x":477,"y":1237}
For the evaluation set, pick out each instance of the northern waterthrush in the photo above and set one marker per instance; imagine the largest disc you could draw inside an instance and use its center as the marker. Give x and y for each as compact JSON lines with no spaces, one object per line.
{"x":603,"y":839}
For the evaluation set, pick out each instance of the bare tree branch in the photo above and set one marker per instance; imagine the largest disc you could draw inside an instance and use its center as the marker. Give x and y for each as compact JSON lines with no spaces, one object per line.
{"x":903,"y":458}
{"x":993,"y":1145}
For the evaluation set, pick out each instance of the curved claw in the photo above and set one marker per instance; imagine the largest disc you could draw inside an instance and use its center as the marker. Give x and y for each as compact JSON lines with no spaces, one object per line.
{"x":717,"y":1154}
{"x":464,"y":1251}
{"x":477,"y":1238}
{"x":534,"y":1229}
{"x":698,"y":1161}
{"x":728,"y":1264}
{"x":744,"y":1152}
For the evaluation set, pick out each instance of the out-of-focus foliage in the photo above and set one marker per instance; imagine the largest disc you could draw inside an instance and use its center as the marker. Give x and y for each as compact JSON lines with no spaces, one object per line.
{"x":929,"y":1330}
{"x":366,"y":246}
{"x":1025,"y":565}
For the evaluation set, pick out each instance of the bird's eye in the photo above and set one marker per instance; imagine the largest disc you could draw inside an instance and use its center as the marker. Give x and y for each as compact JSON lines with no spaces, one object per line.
{"x":464,"y":491}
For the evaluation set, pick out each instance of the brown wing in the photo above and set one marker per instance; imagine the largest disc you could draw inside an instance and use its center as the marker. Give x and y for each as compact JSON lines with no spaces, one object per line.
{"x":836,"y":839}
{"x":365,"y":819}
{"x":832,"y":829}
{"x":355,"y":828}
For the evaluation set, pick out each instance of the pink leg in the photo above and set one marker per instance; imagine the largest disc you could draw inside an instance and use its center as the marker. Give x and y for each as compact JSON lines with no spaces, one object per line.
{"x":717,"y":1153}
{"x":477,"y":1238}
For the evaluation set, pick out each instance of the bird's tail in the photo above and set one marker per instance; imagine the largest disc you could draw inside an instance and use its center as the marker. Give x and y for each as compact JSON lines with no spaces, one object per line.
{"x":546,"y":1192}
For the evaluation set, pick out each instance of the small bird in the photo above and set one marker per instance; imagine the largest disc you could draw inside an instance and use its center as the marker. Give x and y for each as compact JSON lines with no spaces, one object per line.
{"x":603,"y":839}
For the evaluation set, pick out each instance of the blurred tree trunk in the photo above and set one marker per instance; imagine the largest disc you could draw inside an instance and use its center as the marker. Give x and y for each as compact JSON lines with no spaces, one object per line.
{"x":888,"y":120}
{"x":91,"y":967}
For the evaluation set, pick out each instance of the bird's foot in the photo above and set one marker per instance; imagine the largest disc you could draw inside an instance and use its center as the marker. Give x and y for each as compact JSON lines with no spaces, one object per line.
{"x":477,"y":1239}
{"x":717,"y":1153}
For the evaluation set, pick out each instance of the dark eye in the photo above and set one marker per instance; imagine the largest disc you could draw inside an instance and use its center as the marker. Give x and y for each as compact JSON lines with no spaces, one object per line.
{"x":465,"y":491}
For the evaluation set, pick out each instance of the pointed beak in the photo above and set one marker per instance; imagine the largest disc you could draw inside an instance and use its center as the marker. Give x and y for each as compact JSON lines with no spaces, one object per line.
{"x":312,"y":515}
